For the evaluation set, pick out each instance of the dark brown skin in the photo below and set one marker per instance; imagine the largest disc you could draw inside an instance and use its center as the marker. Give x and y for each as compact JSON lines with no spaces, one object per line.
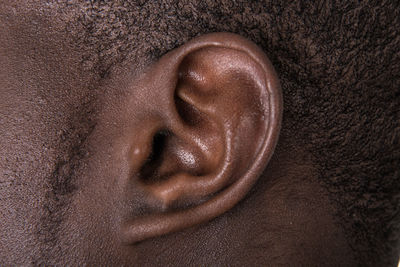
{"x":170,"y":164}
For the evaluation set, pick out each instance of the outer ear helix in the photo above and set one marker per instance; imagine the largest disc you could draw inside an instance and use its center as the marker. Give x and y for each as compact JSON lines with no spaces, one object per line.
{"x":221,"y":108}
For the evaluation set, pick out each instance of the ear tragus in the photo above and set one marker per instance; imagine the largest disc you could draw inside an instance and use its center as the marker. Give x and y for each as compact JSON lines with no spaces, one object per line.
{"x":216,"y":137}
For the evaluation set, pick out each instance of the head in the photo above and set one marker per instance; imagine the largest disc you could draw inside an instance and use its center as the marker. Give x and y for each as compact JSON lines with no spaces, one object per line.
{"x":139,"y":128}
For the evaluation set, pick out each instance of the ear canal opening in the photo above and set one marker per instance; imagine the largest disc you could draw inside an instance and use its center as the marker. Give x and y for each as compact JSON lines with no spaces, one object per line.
{"x":149,"y":172}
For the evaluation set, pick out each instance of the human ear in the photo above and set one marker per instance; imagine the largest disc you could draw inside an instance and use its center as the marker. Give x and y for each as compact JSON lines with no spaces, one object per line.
{"x":210,"y":114}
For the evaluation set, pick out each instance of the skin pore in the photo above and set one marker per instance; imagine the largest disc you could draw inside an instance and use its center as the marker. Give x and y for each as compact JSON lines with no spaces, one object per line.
{"x":61,"y":70}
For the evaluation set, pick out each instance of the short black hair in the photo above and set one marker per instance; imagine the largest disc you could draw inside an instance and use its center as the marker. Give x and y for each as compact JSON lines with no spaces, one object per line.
{"x":339,"y":66}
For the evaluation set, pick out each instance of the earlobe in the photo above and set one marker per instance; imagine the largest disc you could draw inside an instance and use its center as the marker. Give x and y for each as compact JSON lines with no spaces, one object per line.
{"x":217,"y":123}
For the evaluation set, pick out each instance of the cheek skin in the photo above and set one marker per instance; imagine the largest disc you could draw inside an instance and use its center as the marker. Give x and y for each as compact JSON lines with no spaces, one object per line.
{"x":41,"y":88}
